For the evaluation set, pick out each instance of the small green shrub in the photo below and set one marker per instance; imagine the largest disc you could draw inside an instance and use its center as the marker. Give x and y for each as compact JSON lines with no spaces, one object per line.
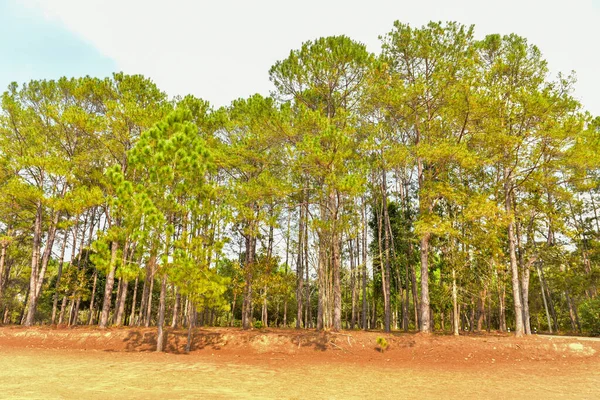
{"x":258,"y":324}
{"x":382,"y":343}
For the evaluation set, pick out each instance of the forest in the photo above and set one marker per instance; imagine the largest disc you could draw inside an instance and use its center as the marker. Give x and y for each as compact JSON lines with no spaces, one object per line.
{"x":447,"y":184}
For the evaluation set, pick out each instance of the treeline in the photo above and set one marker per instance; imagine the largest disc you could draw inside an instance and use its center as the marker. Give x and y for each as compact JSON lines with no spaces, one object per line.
{"x":447,"y":183}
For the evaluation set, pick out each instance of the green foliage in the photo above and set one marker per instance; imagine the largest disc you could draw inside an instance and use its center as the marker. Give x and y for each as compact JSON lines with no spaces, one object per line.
{"x":382,"y":343}
{"x":589,"y":312}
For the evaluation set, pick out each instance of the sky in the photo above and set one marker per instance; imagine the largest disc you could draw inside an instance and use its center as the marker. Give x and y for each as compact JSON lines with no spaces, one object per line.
{"x":221,"y":50}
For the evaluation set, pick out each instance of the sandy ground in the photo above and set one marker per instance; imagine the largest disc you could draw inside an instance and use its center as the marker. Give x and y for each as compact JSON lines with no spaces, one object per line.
{"x":225,"y":364}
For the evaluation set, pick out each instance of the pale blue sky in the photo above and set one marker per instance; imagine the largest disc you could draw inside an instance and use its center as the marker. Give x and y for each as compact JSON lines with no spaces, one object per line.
{"x":221,"y":50}
{"x":35,"y":47}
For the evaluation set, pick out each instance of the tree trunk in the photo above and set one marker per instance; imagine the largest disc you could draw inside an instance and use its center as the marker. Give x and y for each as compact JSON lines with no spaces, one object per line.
{"x":121,"y":302}
{"x":93,"y":297}
{"x":415,"y":293}
{"x":144,"y":299}
{"x":71,"y":310}
{"x":191,"y":321}
{"x":525,"y":290}
{"x":131,"y":321}
{"x":248,"y":266}
{"x":406,"y":301}
{"x":2,"y":263}
{"x":543,"y":289}
{"x":321,"y":278}
{"x":481,"y":309}
{"x":455,"y":316}
{"x":365,"y":312}
{"x":299,"y":268}
{"x":352,"y":286}
{"x":386,"y":272}
{"x":58,"y":277}
{"x":176,"y":306}
{"x":264,"y":313}
{"x":232,"y":321}
{"x":160,"y":339}
{"x":285,"y":306}
{"x":385,"y":284}
{"x":425,"y":317}
{"x":35,"y":260}
{"x":75,"y":319}
{"x":112,"y":320}
{"x":336,"y":261}
{"x":518,"y":307}
{"x":63,"y":309}
{"x":148,"y":310}
{"x":502,"y":305}
{"x":108,"y":289}
{"x":573,"y":313}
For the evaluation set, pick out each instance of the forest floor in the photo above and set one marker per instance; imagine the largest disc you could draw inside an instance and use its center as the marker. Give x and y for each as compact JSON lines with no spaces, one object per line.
{"x":225,"y":363}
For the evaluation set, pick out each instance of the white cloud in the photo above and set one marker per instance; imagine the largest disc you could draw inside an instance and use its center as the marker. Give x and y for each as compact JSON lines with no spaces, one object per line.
{"x":222,"y":50}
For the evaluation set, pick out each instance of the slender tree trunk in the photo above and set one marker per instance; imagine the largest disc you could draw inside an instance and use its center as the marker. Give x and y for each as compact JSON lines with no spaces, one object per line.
{"x":525,"y":291}
{"x":383,"y":266}
{"x":63,"y":309}
{"x":264,"y":313}
{"x":543,"y":289}
{"x":299,"y":268}
{"x":176,"y":306}
{"x":131,"y":321}
{"x":121,"y":302}
{"x":374,"y":312}
{"x":481,"y":309}
{"x":455,"y":315}
{"x":191,"y":321}
{"x":307,"y":308}
{"x":75,"y":320}
{"x":248,"y":265}
{"x":525,"y":270}
{"x":406,"y":302}
{"x":108,"y":289}
{"x":2,"y":264}
{"x":415,"y":293}
{"x":322,"y":320}
{"x":573,"y":313}
{"x":425,"y":317}
{"x":502,"y":304}
{"x":93,"y":297}
{"x":71,"y":310}
{"x":352,"y":286}
{"x":232,"y":321}
{"x":35,"y":261}
{"x":386,"y":272}
{"x":336,"y":266}
{"x":58,"y":277}
{"x":365,"y":311}
{"x":518,"y":307}
{"x":113,"y":318}
{"x":144,"y":299}
{"x":161,"y":314}
{"x":148,"y":310}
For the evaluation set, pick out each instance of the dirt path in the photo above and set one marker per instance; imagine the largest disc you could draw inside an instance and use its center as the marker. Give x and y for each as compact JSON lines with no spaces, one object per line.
{"x":429,"y":368}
